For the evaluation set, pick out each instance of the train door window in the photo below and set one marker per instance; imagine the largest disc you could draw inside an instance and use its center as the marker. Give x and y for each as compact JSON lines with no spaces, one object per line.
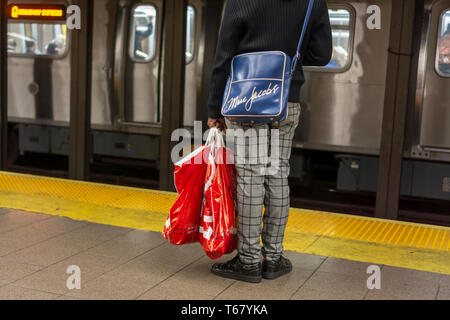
{"x":143,"y":30}
{"x":443,"y":51}
{"x":341,"y":21}
{"x":190,"y":34}
{"x":30,"y":39}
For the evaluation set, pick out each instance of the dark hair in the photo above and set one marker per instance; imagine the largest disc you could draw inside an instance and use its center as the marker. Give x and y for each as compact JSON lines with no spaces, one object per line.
{"x":29,"y":44}
{"x":12,"y":43}
{"x":52,"y":48}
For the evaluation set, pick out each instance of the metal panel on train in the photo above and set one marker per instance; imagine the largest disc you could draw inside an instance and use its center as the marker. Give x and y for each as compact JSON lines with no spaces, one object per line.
{"x":434,"y":129}
{"x":127,"y":71}
{"x":343,"y":102}
{"x":126,"y":65}
{"x":38,"y":68}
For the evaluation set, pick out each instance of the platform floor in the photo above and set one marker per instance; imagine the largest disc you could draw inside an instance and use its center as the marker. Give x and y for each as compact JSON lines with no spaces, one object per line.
{"x":343,"y":236}
{"x":123,"y":263}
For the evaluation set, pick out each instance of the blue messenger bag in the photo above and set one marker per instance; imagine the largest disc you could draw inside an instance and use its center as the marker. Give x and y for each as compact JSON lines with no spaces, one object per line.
{"x":257,"y":89}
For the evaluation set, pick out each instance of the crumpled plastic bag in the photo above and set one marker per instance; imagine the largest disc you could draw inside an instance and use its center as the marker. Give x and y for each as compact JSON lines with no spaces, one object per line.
{"x":218,"y":222}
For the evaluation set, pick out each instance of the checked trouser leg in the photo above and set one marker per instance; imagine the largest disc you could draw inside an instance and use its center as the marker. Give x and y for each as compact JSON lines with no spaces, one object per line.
{"x":259,"y":187}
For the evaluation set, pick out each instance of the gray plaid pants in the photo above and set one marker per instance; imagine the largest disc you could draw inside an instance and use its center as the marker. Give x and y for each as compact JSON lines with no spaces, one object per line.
{"x":262,"y":181}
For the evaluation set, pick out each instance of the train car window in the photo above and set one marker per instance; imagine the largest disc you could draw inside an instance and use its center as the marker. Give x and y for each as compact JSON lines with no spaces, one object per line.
{"x":341,"y":25}
{"x":142,"y":38}
{"x":35,"y":39}
{"x":443,"y":56}
{"x":190,"y":34}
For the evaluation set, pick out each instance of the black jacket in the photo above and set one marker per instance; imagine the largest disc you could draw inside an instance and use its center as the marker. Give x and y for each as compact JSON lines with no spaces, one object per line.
{"x":264,"y":25}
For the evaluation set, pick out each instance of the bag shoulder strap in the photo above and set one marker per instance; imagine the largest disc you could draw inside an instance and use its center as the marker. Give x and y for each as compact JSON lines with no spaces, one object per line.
{"x":305,"y":27}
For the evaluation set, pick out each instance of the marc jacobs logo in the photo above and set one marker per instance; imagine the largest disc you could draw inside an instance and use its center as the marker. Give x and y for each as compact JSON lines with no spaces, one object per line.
{"x":237,"y":101}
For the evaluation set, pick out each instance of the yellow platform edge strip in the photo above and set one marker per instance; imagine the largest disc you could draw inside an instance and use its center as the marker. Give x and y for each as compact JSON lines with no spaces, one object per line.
{"x":381,"y":254}
{"x":313,"y":222}
{"x":127,"y":197}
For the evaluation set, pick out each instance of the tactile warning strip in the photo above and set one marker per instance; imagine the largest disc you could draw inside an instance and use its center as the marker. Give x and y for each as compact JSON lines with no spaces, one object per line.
{"x":342,"y":226}
{"x":370,"y":230}
{"x":95,"y":193}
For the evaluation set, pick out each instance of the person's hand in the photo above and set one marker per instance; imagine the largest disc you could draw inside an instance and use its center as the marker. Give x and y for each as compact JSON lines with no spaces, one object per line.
{"x":218,"y":123}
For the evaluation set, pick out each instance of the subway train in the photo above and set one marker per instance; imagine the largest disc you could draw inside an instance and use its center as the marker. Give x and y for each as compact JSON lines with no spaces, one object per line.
{"x":336,"y":160}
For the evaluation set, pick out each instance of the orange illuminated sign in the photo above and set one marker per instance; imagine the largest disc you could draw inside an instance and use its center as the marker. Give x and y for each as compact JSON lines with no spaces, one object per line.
{"x":36,"y":12}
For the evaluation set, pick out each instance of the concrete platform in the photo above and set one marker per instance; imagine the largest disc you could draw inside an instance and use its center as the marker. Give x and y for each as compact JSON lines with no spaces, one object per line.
{"x":122,"y":263}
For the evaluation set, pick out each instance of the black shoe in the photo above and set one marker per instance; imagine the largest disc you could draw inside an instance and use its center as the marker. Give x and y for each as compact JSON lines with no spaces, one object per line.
{"x":235,"y":269}
{"x":275,"y":269}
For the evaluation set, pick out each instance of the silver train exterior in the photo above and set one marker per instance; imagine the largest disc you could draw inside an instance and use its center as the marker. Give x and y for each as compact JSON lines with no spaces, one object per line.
{"x":342,"y":104}
{"x":125,"y":91}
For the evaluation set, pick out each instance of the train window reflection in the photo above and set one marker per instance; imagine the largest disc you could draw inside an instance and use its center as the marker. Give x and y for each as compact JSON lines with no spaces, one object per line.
{"x":37,"y":39}
{"x":142,"y":39}
{"x":443,"y":59}
{"x":190,"y":34}
{"x":340,"y":25}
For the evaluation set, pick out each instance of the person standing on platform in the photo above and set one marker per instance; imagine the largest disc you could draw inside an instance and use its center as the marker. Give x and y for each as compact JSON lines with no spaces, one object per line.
{"x":252,"y":26}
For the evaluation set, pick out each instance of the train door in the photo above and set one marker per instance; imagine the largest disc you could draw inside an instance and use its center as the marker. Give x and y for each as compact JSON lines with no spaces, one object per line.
{"x":126,"y":56}
{"x":141,"y":77}
{"x":435,"y":110}
{"x":337,"y":144}
{"x":194,"y":61}
{"x":38,"y":90}
{"x":427,"y":163}
{"x":344,"y":100}
{"x":127,"y":78}
{"x":125,"y":100}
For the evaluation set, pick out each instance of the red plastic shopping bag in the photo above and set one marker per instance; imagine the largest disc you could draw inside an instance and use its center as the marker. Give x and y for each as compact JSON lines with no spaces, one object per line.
{"x":182,"y":225}
{"x":218,"y":222}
